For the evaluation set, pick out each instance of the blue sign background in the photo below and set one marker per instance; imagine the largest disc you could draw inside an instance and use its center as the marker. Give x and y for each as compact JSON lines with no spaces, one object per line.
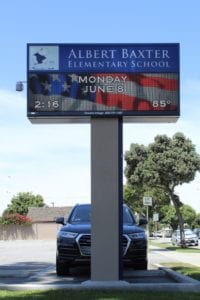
{"x":149,"y":58}
{"x":104,"y":80}
{"x":119,"y":58}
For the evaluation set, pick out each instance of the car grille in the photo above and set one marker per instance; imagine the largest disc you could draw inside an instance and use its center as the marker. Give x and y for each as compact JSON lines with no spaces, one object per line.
{"x":190,"y":241}
{"x":126,"y":243}
{"x":68,"y":252}
{"x":84,"y":243}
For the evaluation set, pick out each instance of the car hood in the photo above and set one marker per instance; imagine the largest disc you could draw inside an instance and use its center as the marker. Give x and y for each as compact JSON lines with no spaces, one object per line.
{"x":189,"y":236}
{"x":86,"y":228}
{"x":79,"y":228}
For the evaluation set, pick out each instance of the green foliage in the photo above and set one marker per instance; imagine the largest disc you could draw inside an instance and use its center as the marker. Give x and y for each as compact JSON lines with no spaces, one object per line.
{"x":170,"y":216}
{"x":185,"y":268}
{"x":197,"y":220}
{"x":133,"y":197}
{"x":15,"y":219}
{"x":189,"y":215}
{"x":165,"y":164}
{"x":22,"y":201}
{"x":106,"y":294}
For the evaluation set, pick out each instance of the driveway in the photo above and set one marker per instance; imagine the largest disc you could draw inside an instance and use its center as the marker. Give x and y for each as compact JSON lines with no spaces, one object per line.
{"x":25,"y":262}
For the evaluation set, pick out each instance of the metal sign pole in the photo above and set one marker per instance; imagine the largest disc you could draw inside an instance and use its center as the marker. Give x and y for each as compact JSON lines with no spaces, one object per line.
{"x":147,"y":216}
{"x":147,"y":201}
{"x":107,"y":204}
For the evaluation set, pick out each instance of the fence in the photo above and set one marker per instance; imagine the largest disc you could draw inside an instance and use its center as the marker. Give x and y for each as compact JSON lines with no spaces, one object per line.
{"x":38,"y":231}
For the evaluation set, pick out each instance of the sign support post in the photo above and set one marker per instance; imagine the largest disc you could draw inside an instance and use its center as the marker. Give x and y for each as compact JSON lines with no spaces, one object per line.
{"x":107,"y":204}
{"x":104,"y":84}
{"x":147,"y":201}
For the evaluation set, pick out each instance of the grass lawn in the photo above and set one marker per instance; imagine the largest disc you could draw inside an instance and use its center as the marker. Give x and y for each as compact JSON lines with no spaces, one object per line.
{"x":168,"y":246}
{"x":184,"y":268}
{"x":97,"y":295}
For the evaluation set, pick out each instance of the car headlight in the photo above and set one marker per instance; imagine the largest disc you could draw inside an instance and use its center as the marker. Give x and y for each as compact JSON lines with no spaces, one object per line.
{"x":137,"y":235}
{"x":68,"y":234}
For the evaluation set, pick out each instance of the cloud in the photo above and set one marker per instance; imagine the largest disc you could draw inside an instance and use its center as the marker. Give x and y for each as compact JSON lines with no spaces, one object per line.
{"x":53,"y":160}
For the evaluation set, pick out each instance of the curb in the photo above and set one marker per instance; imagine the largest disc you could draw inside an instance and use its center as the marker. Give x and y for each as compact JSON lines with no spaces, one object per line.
{"x":181,"y":278}
{"x":170,"y":287}
{"x":182,"y":283}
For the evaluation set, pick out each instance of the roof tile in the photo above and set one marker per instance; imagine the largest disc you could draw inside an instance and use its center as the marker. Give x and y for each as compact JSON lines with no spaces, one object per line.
{"x":47,"y":214}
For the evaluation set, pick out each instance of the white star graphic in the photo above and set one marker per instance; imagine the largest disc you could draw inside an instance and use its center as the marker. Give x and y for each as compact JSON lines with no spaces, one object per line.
{"x":65,"y":87}
{"x":74,"y":77}
{"x":47,"y":86}
{"x":55,"y":77}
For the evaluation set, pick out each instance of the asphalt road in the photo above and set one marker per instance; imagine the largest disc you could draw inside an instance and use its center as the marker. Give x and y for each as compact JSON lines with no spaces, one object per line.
{"x":34,"y":262}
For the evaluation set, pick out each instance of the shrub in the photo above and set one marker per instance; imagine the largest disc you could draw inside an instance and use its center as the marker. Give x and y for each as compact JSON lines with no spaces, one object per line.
{"x":15,"y":219}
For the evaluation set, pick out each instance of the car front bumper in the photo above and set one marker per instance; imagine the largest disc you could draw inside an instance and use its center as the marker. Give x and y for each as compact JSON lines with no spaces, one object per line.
{"x":78,"y":251}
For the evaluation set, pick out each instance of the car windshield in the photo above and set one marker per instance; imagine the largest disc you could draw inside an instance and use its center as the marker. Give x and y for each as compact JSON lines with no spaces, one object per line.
{"x":82,"y":214}
{"x":186,"y":232}
{"x":128,"y":218}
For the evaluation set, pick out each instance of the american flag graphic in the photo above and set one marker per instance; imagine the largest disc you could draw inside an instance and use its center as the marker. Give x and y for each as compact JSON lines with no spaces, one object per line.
{"x":106,"y":91}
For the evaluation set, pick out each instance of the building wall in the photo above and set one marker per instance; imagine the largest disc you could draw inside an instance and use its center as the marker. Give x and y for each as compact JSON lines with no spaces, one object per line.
{"x":38,"y":231}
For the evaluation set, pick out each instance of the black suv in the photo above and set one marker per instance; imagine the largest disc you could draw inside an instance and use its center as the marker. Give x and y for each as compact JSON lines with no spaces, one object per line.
{"x":74,"y":240}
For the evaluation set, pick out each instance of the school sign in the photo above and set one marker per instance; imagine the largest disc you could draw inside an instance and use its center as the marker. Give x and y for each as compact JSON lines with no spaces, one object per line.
{"x":74,"y":82}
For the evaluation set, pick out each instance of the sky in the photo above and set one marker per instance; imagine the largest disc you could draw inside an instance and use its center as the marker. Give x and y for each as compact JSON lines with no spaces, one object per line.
{"x":54,"y":160}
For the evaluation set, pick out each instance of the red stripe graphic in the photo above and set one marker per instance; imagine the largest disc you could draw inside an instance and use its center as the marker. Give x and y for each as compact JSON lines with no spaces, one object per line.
{"x":142,"y":92}
{"x":129,"y":103}
{"x":153,"y":80}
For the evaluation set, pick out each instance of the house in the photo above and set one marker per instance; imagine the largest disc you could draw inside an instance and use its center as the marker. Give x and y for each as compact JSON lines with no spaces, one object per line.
{"x":43,"y":225}
{"x":43,"y":220}
{"x":47,"y":214}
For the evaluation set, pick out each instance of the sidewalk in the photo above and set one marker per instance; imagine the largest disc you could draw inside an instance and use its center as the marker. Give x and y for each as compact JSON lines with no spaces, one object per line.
{"x":190,"y":258}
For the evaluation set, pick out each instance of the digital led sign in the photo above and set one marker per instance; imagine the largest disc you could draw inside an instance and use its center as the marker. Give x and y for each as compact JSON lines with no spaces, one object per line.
{"x":74,"y":82}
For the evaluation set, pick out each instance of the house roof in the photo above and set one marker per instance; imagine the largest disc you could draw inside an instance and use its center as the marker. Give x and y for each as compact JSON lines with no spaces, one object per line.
{"x":47,"y":214}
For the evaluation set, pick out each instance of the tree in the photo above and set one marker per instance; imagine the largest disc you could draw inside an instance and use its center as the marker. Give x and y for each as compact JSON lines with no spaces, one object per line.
{"x":133,"y":197}
{"x":197,"y":220}
{"x":166,"y":163}
{"x":189,"y":215}
{"x":170,"y":217}
{"x":22,"y":201}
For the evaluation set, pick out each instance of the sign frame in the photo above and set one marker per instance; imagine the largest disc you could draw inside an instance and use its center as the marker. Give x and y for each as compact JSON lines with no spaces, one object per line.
{"x":147,"y":201}
{"x":99,"y":53}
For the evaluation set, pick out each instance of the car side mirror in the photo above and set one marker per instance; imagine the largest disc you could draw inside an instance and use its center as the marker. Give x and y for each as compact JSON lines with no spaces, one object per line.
{"x":60,"y":220}
{"x":142,"y":221}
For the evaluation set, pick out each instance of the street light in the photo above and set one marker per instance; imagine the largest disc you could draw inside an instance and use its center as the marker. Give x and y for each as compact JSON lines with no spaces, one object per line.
{"x":20,"y":86}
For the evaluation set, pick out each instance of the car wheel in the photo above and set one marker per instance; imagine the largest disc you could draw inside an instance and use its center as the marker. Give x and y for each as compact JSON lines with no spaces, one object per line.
{"x":177,"y":244}
{"x":61,"y":268}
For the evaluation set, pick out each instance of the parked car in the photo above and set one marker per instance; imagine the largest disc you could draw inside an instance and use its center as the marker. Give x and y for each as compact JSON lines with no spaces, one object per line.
{"x":157,"y":234}
{"x":74,"y":240}
{"x":191,"y":238}
{"x":197,"y":232}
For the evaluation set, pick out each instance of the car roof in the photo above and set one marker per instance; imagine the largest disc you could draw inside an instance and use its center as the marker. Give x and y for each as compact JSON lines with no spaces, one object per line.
{"x":82,"y":204}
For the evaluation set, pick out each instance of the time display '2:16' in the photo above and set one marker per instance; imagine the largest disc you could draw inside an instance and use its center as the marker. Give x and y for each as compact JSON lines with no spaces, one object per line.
{"x":46,"y":105}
